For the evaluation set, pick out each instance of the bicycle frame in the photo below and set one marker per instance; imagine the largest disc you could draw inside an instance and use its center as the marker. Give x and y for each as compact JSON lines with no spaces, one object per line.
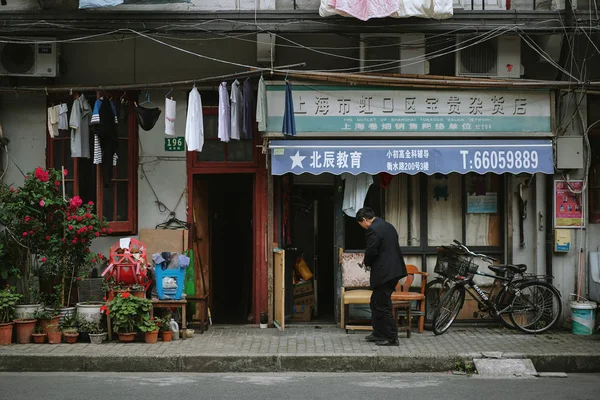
{"x":481,"y":297}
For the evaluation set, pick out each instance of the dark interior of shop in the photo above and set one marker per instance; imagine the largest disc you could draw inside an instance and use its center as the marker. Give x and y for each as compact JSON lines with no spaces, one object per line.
{"x":230,"y":211}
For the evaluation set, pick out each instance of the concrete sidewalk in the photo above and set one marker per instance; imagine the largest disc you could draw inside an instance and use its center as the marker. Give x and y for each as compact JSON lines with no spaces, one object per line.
{"x":309,"y":348}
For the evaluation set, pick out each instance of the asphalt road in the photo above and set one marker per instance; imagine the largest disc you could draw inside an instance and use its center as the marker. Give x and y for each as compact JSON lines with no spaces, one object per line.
{"x":301,"y":386}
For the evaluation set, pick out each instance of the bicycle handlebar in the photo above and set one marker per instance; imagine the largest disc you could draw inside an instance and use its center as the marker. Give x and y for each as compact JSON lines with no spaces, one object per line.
{"x":479,"y":255}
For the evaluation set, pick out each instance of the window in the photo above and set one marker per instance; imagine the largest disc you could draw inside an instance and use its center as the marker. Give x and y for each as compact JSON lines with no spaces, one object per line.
{"x":215,"y":151}
{"x":117,"y":200}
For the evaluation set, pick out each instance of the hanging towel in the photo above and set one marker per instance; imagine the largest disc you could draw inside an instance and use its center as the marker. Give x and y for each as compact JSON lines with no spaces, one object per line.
{"x":248,"y":112}
{"x":194,"y":123}
{"x":63,"y":120}
{"x":236,"y":110}
{"x":53,"y":121}
{"x":289,"y":121}
{"x":170,"y":114}
{"x":261,"y":106}
{"x":355,"y":192}
{"x":224,"y":113}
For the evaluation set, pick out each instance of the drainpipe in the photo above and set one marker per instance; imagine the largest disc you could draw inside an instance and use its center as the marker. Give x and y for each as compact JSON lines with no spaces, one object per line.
{"x":549,"y":223}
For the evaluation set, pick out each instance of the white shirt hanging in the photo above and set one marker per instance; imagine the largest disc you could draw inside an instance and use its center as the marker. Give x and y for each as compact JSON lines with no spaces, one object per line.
{"x":261,"y":106}
{"x":53,"y":121}
{"x":355,"y":192}
{"x":194,"y":123}
{"x":63,"y":120}
{"x":224,"y":113}
{"x":236,"y":110}
{"x":170,"y":114}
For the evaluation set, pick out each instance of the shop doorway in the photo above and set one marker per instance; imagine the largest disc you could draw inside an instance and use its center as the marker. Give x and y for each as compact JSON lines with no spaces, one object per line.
{"x":312,"y":233}
{"x":223,"y":211}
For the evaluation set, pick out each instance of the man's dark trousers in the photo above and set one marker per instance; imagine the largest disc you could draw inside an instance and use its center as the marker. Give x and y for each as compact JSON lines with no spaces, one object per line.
{"x":382,"y":319}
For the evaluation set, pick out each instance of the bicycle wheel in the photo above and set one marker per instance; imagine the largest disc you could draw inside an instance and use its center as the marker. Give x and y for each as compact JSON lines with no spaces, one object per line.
{"x":448,"y":309}
{"x":433,"y":293}
{"x":535,"y":307}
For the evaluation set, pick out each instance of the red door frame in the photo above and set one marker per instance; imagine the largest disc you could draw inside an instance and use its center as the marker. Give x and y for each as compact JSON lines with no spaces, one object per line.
{"x":259,"y":214}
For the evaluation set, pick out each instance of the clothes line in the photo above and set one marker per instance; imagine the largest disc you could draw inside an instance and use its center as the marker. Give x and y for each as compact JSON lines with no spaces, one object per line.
{"x":144,"y":86}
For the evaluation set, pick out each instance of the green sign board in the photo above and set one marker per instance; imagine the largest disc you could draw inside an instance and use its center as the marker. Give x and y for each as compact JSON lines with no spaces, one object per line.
{"x":175,"y":143}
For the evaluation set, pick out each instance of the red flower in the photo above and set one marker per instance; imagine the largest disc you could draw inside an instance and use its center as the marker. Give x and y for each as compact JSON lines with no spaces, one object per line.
{"x":41,"y":175}
{"x":104,"y":298}
{"x":12,"y":189}
{"x":103,"y":308}
{"x":125,"y":295}
{"x":89,"y":216}
{"x":18,"y":191}
{"x":70,"y":227}
{"x":26,"y":176}
{"x":66,"y":172}
{"x":91,"y":228}
{"x":110,"y":231}
{"x":94,"y":260}
{"x":82,"y":240}
{"x":27,"y":219}
{"x":74,"y":241}
{"x":44,"y":259}
{"x":42,"y":203}
{"x":103,"y":230}
{"x":87,"y":250}
{"x":48,"y":237}
{"x":107,"y":312}
{"x":31,"y":232}
{"x":97,"y":234}
{"x":64,"y":240}
{"x":25,"y":234}
{"x":78,"y":278}
{"x":91,"y":203}
{"x":69,"y":218}
{"x":57,"y":183}
{"x":75,"y":202}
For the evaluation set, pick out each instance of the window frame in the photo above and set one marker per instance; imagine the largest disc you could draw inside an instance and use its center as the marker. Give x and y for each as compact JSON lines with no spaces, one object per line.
{"x":214,"y":111}
{"x":130,"y":226}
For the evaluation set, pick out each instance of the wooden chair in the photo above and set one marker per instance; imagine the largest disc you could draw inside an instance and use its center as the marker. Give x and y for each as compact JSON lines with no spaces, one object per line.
{"x":402,"y":298}
{"x":355,"y":287}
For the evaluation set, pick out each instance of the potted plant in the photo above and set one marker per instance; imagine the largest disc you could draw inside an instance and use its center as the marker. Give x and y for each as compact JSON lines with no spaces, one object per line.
{"x":150,"y":328}
{"x":70,"y":328}
{"x":165,"y":329}
{"x":8,"y":301}
{"x":89,"y":310}
{"x":138,"y":290}
{"x":96,"y":333}
{"x":39,"y":336}
{"x":46,"y":317}
{"x":54,"y":334}
{"x":113,"y":288}
{"x":264,"y":320}
{"x":126,"y":314}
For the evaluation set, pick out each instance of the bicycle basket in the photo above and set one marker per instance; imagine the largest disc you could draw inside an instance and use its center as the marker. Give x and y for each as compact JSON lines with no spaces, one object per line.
{"x":450,"y":265}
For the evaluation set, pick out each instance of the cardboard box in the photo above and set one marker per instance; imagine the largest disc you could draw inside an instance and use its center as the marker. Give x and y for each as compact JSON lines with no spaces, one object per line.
{"x":308,"y":299}
{"x":302,"y":312}
{"x":303,"y":289}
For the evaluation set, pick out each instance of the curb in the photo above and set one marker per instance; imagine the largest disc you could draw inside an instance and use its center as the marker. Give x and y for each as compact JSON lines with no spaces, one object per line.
{"x":216,"y":363}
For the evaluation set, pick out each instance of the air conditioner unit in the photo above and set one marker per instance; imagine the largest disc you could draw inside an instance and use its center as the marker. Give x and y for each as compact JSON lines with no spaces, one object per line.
{"x":496,"y":58}
{"x":401,"y":53}
{"x":29,"y":59}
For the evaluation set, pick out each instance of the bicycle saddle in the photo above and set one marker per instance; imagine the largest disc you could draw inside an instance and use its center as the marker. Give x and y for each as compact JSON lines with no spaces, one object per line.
{"x":501,"y":269}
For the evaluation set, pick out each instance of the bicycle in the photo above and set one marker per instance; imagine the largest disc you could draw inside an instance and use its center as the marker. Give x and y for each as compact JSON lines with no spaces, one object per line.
{"x":531,"y":303}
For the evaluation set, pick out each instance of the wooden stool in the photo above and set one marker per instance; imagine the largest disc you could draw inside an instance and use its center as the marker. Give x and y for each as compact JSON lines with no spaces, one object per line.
{"x":403,"y":305}
{"x":172,"y":304}
{"x":202,"y":302}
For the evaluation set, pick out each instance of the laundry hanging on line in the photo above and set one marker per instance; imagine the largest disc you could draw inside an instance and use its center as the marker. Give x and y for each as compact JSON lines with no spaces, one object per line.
{"x":194,"y":123}
{"x":170,"y":115}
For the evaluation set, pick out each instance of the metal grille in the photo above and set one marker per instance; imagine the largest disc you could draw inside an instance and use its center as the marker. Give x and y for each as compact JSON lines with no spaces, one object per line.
{"x":479,"y":59}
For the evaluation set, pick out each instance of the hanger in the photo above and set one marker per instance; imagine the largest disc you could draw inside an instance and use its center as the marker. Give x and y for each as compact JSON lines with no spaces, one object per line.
{"x":123,"y":97}
{"x":148,"y":100}
{"x":173,"y":223}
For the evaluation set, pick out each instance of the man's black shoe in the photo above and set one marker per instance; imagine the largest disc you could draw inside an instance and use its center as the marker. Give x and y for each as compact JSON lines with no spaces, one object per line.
{"x":374,"y":338}
{"x":388,"y":343}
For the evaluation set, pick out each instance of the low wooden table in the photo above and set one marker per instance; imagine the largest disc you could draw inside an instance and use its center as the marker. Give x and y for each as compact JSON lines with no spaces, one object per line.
{"x":159,"y":304}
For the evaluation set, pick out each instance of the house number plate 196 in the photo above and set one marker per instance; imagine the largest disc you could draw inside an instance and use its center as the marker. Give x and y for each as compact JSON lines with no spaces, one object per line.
{"x":175,"y":143}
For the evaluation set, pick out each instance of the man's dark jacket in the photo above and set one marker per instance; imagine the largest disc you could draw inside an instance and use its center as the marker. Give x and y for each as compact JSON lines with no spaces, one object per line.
{"x":383,"y":253}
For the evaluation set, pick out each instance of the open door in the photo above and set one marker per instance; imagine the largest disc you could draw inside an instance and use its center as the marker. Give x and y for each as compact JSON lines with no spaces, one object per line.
{"x":279,"y":288}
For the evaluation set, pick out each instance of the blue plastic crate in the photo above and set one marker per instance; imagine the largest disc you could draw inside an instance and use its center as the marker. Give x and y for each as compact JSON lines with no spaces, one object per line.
{"x":169,"y":294}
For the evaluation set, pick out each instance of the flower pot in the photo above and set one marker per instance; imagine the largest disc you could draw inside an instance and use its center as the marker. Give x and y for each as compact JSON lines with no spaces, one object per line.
{"x":89,"y":311}
{"x":39,"y":338}
{"x":24,"y":328}
{"x":71,"y":337}
{"x":97,"y":338}
{"x":167,"y":336}
{"x":6,"y":331}
{"x":66,"y":311}
{"x":26,"y":311}
{"x":141,"y":294}
{"x":127,"y":337}
{"x":47,"y":325}
{"x":264,"y":326}
{"x":54,"y":337}
{"x":151,"y":337}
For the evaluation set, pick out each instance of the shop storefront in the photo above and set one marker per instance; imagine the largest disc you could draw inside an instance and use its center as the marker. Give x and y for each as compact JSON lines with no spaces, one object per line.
{"x":439,"y":165}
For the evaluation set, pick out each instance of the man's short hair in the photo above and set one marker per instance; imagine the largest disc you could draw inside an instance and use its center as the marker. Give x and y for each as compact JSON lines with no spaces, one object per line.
{"x":365,"y":213}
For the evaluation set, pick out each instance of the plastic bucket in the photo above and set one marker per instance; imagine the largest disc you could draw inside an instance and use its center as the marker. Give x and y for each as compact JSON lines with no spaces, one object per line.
{"x":583,"y":317}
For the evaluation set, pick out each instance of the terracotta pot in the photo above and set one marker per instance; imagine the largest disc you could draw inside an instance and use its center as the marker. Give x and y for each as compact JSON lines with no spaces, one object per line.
{"x":54,"y":337}
{"x":151,"y":337}
{"x":25,"y":328}
{"x":6,"y":331}
{"x":141,"y":295}
{"x":39,"y":338}
{"x":113,"y":293}
{"x":167,"y":336}
{"x":127,"y":337}
{"x":71,"y":337}
{"x":47,"y":325}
